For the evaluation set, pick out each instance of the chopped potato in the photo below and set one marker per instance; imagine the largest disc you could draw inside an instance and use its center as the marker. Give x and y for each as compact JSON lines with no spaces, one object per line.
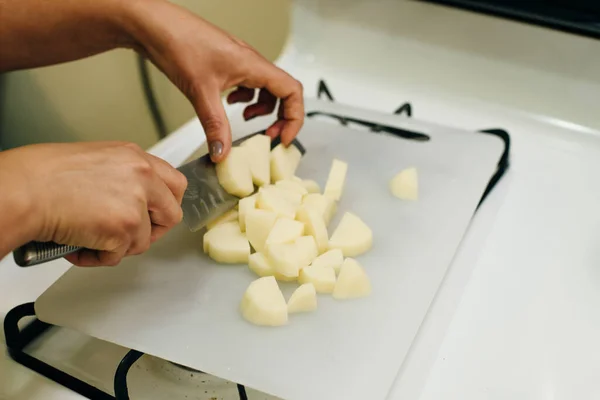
{"x":322,"y":277}
{"x":307,"y":249}
{"x":260,"y":164}
{"x":285,"y":259}
{"x":263,"y":303}
{"x":311,"y":186}
{"x":324,"y":205}
{"x":259,"y":264}
{"x":314,"y":225}
{"x":352,"y":236}
{"x":293,"y":186}
{"x":284,"y":161}
{"x":405,"y":185}
{"x":336,"y":179}
{"x":273,"y":200}
{"x":234,"y":173}
{"x":258,"y":226}
{"x":331,"y":259}
{"x":304,"y":299}
{"x":226,"y":244}
{"x":244,"y":205}
{"x":231,"y":215}
{"x":352,"y":281}
{"x":285,"y":230}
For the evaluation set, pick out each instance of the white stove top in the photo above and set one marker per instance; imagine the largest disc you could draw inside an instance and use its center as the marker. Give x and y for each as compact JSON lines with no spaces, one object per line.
{"x":516,"y":317}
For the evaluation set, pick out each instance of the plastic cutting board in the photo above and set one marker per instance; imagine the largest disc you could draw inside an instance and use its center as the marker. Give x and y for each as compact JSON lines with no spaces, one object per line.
{"x":175,"y":303}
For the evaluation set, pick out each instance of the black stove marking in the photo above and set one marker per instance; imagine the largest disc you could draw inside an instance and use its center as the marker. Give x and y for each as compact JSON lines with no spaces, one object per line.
{"x":375,"y":127}
{"x":503,"y":163}
{"x":323,"y":89}
{"x":405,"y":108}
{"x":17,"y":341}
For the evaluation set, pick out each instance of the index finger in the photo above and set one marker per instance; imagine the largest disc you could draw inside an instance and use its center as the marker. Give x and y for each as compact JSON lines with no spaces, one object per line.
{"x":289,"y":90}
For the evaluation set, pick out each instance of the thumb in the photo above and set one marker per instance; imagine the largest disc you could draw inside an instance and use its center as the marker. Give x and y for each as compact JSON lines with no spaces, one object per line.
{"x":209,"y":107}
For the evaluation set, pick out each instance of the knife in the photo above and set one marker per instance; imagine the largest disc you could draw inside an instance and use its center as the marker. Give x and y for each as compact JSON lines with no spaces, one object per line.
{"x":203,"y":201}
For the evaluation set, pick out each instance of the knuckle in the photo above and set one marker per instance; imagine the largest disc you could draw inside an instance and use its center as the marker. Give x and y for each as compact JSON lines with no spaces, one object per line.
{"x":299,"y":87}
{"x":212,"y":123}
{"x":129,"y":222}
{"x":132,"y":146}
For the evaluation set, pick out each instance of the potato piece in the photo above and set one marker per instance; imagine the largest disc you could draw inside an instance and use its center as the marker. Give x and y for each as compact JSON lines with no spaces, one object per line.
{"x":284,"y":161}
{"x":259,"y":264}
{"x":231,"y":215}
{"x":244,"y":205}
{"x":323,"y":278}
{"x":352,"y":236}
{"x":292,"y":186}
{"x":226,"y":244}
{"x":331,"y":259}
{"x":284,"y":257}
{"x":324,"y":205}
{"x":291,"y":196}
{"x":258,"y":225}
{"x":352,"y":281}
{"x":304,"y":299}
{"x":234,"y":173}
{"x":405,"y":185}
{"x":285,"y":230}
{"x":314,"y":225}
{"x":273,"y":200}
{"x":311,"y":186}
{"x":336,"y":179}
{"x":307,"y":249}
{"x":263,"y":303}
{"x":260,"y":154}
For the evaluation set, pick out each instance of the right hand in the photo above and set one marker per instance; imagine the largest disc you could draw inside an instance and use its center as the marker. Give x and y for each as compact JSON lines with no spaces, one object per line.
{"x":110,"y":197}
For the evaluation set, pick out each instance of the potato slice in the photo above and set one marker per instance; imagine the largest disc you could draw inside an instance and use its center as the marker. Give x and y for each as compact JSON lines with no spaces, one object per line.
{"x":285,"y":230}
{"x":352,"y":236}
{"x":234,"y":173}
{"x":258,"y":225}
{"x":323,"y":278}
{"x":307,"y":249}
{"x":284,"y":257}
{"x":304,"y":299}
{"x":260,"y":154}
{"x":405,"y":185}
{"x":324,"y":205}
{"x":231,"y":215}
{"x":352,"y":281}
{"x":336,"y":179}
{"x":226,"y":244}
{"x":314,"y":225}
{"x":263,"y":303}
{"x":311,"y":186}
{"x":292,"y":186}
{"x":331,"y":259}
{"x":284,"y":161}
{"x":244,"y":205}
{"x":259,"y":264}
{"x":274,"y":200}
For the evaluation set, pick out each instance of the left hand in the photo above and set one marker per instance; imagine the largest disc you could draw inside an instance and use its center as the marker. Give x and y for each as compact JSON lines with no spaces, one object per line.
{"x":203,"y":61}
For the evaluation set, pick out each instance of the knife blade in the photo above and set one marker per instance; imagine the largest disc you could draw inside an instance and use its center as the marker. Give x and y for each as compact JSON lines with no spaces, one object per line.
{"x":203,"y":201}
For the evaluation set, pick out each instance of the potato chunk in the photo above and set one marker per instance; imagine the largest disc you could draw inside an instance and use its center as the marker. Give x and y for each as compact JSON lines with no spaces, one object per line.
{"x":352,"y":281}
{"x":258,"y":226}
{"x":352,"y":236}
{"x":284,"y":161}
{"x":263,"y":303}
{"x":336,"y":179}
{"x":226,"y":244}
{"x":304,"y":299}
{"x":405,"y":185}
{"x":260,"y":265}
{"x":234,"y":173}
{"x":331,"y":259}
{"x":314,"y":225}
{"x":259,"y":158}
{"x":323,"y":278}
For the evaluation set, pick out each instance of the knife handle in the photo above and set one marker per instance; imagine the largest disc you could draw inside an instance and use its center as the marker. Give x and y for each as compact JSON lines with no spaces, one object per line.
{"x":34,"y":253}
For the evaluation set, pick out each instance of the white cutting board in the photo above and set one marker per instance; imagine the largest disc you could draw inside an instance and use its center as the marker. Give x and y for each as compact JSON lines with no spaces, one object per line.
{"x":175,"y":303}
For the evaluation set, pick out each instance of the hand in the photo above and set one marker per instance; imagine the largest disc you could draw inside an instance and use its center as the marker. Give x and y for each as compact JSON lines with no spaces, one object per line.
{"x":111,"y":197}
{"x":203,"y":61}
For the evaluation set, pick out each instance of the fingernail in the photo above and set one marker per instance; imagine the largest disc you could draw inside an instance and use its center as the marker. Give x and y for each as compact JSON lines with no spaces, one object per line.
{"x":216,"y":148}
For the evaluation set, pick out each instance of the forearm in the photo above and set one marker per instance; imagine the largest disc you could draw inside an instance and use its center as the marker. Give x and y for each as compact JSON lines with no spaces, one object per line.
{"x":36,"y":33}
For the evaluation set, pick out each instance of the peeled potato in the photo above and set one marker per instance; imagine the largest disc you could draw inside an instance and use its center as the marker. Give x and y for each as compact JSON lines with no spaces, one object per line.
{"x":274,"y":200}
{"x":314,"y":225}
{"x":231,"y":215}
{"x":324,"y":205}
{"x":336,"y":179}
{"x":258,"y":225}
{"x":307,"y":249}
{"x":234,"y":173}
{"x":226,"y":244}
{"x":263,"y":303}
{"x":331,"y":259}
{"x":285,"y":259}
{"x":304,"y":299}
{"x":260,"y":149}
{"x":311,"y":186}
{"x":284,"y":161}
{"x":291,"y":196}
{"x":259,"y":264}
{"x":352,"y":236}
{"x":293,"y":186}
{"x":405,"y":185}
{"x":323,"y":278}
{"x":285,"y":230}
{"x":352,"y":281}
{"x":244,"y":205}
